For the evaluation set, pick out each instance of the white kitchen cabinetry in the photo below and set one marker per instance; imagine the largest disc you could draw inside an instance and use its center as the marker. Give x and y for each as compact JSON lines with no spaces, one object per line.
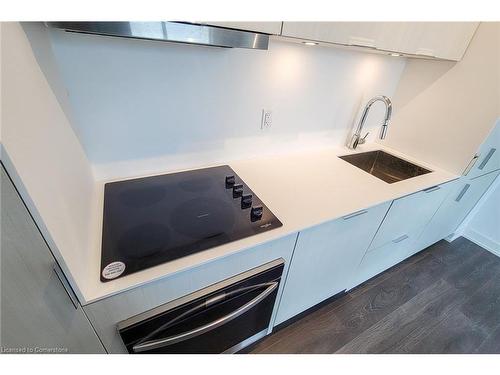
{"x":378,"y":260}
{"x":488,"y":154}
{"x":106,"y":313}
{"x":325,"y":259}
{"x":366,"y":34}
{"x":273,"y":28}
{"x":408,"y":215}
{"x":39,"y":312}
{"x":465,"y":194}
{"x":396,"y":238}
{"x":443,"y":40}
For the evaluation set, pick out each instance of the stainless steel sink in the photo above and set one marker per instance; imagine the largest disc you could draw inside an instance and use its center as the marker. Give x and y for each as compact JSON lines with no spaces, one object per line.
{"x":387,"y":167}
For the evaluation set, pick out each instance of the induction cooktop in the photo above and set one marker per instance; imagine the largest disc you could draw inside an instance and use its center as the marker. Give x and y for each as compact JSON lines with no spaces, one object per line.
{"x":151,"y":220}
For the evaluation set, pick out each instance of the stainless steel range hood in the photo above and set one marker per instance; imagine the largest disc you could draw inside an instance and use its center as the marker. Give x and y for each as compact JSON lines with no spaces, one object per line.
{"x":178,"y":32}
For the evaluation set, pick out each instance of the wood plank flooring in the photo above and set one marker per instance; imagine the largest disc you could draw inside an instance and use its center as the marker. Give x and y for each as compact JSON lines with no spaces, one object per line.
{"x":445,"y":299}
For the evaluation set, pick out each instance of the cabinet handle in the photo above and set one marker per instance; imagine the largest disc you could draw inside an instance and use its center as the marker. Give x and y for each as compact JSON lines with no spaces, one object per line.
{"x":425,"y":52}
{"x":425,"y":55}
{"x":359,"y":41}
{"x":146,"y":344}
{"x":361,"y":46}
{"x":431,"y":189}
{"x":462,"y":193}
{"x":66,"y":286}
{"x":354,"y":214}
{"x":486,"y":159}
{"x":471,"y":164}
{"x":400,"y":239}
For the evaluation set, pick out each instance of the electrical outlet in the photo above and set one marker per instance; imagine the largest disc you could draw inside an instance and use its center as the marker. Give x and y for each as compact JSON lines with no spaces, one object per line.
{"x":267,"y":119}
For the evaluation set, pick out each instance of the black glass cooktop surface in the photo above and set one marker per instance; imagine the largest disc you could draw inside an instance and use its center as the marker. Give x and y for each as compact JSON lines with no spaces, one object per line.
{"x":152,"y":220}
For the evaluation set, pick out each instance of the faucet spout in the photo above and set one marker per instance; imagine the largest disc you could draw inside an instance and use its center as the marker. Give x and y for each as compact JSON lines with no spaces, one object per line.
{"x":356,"y":137}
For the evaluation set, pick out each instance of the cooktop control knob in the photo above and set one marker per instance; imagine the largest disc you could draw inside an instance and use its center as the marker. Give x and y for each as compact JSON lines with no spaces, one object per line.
{"x":237,"y":191}
{"x":246,"y":200}
{"x":230,"y":181}
{"x":256,"y":213}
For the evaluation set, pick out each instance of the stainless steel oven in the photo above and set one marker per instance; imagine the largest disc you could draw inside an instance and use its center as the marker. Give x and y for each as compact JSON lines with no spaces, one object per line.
{"x":222,"y":318}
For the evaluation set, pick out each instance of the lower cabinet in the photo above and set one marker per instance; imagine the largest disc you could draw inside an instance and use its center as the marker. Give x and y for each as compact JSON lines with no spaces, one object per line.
{"x":408,"y":215}
{"x":464,"y":196}
{"x":396,"y":238}
{"x":378,"y":260}
{"x":38,"y":314}
{"x":325,"y":259}
{"x":488,"y":154}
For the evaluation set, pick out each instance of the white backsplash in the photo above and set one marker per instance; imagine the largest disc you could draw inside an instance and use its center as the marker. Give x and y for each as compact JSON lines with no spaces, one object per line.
{"x":144,"y":107}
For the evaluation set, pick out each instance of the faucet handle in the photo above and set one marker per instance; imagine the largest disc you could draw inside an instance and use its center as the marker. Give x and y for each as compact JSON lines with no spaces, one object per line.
{"x":363,"y":140}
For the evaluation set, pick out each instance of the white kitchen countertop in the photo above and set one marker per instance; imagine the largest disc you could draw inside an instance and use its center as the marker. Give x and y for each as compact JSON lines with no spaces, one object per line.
{"x":302,"y":189}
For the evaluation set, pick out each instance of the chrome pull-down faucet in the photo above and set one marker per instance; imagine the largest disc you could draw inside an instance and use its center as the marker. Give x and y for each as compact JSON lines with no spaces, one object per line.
{"x":356,"y":137}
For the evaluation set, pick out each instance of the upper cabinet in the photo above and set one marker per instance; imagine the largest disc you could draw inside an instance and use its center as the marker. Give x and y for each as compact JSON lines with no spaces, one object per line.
{"x":434,"y":40}
{"x":442,"y":40}
{"x":273,"y":28}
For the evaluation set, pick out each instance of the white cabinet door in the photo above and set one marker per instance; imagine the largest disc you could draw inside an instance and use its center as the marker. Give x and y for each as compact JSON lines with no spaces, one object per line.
{"x":408,"y":215}
{"x":348,"y":33}
{"x":325,"y":259}
{"x":273,"y":28}
{"x":396,"y":238}
{"x":444,"y":40}
{"x":464,"y":196}
{"x":37,"y":312}
{"x":489,"y":154}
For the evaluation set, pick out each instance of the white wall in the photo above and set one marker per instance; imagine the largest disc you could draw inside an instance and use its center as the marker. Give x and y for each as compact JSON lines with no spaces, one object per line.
{"x":445,"y":110}
{"x":142,"y":106}
{"x":41,"y":46}
{"x":483,"y":225}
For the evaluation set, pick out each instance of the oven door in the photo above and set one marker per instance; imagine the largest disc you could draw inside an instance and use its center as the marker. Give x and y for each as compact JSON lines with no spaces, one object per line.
{"x":224,"y":317}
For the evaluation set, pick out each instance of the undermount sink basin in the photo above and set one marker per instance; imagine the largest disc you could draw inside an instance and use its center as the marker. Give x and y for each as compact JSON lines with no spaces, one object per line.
{"x":387,"y":167}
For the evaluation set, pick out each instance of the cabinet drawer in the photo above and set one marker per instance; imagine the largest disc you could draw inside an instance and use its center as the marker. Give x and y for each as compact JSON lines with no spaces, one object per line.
{"x":408,"y":215}
{"x":378,"y":260}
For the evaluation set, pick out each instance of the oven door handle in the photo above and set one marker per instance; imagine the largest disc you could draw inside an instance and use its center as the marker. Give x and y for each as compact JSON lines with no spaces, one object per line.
{"x":155,"y":344}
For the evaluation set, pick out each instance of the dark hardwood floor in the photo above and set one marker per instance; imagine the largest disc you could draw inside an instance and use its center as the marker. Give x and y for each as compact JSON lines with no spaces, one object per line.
{"x":445,"y":299}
